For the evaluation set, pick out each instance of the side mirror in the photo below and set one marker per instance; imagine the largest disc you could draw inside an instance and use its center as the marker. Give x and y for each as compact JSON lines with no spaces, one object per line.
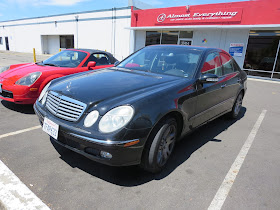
{"x":116,"y":63}
{"x":209,"y":78}
{"x":91,"y":64}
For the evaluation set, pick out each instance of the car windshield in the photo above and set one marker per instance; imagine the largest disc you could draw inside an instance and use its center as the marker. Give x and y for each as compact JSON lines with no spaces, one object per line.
{"x":170,"y":60}
{"x":66,"y":58}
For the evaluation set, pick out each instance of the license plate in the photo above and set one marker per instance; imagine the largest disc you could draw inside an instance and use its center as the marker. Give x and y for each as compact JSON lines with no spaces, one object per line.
{"x":50,"y":128}
{"x":0,"y":88}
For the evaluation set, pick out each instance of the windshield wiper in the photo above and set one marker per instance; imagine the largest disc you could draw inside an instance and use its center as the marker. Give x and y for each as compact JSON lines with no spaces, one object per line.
{"x":50,"y":64}
{"x":39,"y":63}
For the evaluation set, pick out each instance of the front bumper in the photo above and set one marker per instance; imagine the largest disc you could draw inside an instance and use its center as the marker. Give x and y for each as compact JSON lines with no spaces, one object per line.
{"x":90,"y":147}
{"x":16,"y":93}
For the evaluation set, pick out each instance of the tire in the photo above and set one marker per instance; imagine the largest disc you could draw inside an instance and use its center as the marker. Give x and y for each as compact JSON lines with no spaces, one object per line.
{"x":159,"y":146}
{"x":236,"y":107}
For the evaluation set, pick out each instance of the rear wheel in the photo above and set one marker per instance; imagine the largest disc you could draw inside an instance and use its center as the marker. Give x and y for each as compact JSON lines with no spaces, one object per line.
{"x":237,"y":106}
{"x":159,"y":146}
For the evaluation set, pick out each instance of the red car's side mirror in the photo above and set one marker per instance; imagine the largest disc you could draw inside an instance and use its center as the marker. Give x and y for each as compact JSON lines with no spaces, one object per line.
{"x":91,"y":64}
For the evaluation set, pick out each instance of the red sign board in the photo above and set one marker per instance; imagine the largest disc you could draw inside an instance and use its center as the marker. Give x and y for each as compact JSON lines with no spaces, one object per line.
{"x":203,"y":16}
{"x":258,"y":12}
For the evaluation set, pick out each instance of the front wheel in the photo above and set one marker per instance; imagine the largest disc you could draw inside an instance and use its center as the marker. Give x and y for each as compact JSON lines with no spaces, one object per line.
{"x":237,"y":106}
{"x":159,"y":146}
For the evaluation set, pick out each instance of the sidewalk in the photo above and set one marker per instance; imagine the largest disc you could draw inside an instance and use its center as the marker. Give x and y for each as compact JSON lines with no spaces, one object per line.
{"x":9,"y":57}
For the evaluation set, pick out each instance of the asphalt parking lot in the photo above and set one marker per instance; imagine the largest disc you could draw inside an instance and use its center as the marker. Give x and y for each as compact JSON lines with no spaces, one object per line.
{"x":193,"y":178}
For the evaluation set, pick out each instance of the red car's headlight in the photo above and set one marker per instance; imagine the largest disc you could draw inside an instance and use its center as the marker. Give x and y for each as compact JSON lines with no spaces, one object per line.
{"x":29,"y":79}
{"x":5,"y":68}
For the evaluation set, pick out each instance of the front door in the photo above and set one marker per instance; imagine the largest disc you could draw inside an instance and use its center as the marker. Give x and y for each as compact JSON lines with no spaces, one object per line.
{"x":7,"y":43}
{"x":209,"y":95}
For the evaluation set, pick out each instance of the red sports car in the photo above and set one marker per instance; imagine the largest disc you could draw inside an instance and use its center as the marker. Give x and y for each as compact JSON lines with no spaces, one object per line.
{"x":22,"y":83}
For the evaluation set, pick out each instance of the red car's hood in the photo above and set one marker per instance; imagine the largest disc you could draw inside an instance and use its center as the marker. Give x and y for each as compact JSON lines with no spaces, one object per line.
{"x":16,"y":73}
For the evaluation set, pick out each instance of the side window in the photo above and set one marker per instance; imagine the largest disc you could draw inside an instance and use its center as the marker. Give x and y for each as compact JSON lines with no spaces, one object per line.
{"x":99,"y":58}
{"x":227,"y":63}
{"x":102,"y":59}
{"x":212,"y":64}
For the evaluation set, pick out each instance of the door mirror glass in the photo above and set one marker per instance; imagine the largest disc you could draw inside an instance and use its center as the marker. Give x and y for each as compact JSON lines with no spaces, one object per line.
{"x":209,"y":78}
{"x":91,"y":64}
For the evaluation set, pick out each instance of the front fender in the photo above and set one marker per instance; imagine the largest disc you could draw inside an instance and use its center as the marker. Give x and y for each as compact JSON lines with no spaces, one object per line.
{"x":18,"y":65}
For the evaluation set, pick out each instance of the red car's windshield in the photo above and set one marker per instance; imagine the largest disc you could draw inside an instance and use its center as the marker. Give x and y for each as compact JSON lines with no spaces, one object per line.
{"x":67,"y":58}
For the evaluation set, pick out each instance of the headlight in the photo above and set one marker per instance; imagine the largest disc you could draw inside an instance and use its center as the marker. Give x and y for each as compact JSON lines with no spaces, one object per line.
{"x":43,"y":93}
{"x":116,"y":119}
{"x":29,"y":79}
{"x":91,"y":118}
{"x":2,"y":69}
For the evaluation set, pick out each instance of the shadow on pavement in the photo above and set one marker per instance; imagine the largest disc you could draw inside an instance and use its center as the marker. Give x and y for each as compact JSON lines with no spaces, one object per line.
{"x":133,"y":175}
{"x":25,"y":109}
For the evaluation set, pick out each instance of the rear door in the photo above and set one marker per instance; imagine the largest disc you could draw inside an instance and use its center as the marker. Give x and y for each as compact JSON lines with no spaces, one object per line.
{"x":232,"y":79}
{"x":210,"y":96}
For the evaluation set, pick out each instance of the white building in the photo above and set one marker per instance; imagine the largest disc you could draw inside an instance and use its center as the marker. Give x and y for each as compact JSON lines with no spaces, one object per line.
{"x":101,"y":29}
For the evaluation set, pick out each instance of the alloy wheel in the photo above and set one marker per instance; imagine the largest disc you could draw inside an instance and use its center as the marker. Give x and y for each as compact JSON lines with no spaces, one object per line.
{"x":238,"y":104}
{"x":166,"y":145}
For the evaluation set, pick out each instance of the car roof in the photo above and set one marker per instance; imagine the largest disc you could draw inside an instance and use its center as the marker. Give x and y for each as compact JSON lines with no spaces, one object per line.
{"x":191,"y":47}
{"x":89,"y":50}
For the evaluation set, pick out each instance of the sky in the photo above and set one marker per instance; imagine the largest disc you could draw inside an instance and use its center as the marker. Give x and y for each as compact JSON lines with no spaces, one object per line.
{"x":18,"y":9}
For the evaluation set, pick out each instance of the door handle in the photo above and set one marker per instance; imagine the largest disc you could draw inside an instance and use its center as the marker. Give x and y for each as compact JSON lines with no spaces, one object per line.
{"x":223,"y":86}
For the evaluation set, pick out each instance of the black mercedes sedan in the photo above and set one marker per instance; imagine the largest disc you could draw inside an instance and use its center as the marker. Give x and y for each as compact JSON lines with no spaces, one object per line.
{"x":133,"y":113}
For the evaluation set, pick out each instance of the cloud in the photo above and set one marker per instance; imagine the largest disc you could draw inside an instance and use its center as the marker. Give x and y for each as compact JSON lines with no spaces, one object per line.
{"x":47,"y":2}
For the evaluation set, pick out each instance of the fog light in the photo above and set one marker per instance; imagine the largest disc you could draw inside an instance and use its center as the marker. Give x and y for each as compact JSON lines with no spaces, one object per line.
{"x":106,"y":155}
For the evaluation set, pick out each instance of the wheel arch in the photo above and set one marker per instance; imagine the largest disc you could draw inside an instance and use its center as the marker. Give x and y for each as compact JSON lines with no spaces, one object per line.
{"x":177,"y":115}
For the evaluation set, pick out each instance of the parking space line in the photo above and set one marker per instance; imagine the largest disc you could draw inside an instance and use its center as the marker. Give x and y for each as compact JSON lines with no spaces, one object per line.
{"x":225,"y":187}
{"x":20,"y":131}
{"x":16,"y":195}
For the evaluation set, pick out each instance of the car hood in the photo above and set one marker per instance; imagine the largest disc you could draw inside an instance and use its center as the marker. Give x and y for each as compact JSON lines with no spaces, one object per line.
{"x":112,"y":85}
{"x":18,"y":72}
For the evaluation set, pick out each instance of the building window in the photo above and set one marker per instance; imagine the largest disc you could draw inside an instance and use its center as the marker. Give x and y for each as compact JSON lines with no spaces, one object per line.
{"x":67,"y":41}
{"x":153,"y":37}
{"x":1,"y":40}
{"x":261,"y":54}
{"x":186,"y":34}
{"x":169,"y":37}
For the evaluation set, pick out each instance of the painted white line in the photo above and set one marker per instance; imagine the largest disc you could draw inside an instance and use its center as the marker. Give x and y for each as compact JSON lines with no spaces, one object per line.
{"x":16,"y":195}
{"x":20,"y":131}
{"x":264,"y":80}
{"x":225,"y":187}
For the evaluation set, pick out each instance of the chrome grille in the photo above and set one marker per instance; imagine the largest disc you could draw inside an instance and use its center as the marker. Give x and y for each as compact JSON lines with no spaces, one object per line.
{"x":64,"y":107}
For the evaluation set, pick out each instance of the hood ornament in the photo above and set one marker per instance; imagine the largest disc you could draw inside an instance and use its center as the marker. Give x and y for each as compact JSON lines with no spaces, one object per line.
{"x":68,"y":87}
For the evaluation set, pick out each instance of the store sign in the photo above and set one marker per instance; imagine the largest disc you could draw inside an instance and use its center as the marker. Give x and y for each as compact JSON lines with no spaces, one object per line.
{"x":185,"y":42}
{"x":226,"y":15}
{"x":236,"y":49}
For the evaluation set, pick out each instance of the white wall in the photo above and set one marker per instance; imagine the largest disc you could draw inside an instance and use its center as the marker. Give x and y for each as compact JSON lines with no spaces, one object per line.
{"x":140,"y":39}
{"x":103,"y":33}
{"x":50,"y":44}
{"x":221,"y":38}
